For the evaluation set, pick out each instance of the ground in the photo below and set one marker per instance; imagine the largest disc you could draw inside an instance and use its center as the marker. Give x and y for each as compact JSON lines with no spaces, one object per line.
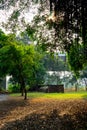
{"x":43,"y":114}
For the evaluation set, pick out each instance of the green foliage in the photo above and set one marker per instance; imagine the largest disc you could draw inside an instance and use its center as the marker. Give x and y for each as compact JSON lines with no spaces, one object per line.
{"x":53,"y":79}
{"x":1,"y":89}
{"x":22,"y":61}
{"x":84,"y":73}
{"x":55,"y":63}
{"x":15,"y":14}
{"x":75,"y":58}
{"x":38,"y":70}
{"x":71,"y":19}
{"x":13,"y":88}
{"x":74,"y":19}
{"x":27,"y":87}
{"x":30,"y":31}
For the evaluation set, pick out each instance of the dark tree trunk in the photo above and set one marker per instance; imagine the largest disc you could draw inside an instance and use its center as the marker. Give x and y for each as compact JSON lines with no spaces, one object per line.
{"x":22,"y":92}
{"x":86,"y":88}
{"x":23,"y":88}
{"x":25,"y":91}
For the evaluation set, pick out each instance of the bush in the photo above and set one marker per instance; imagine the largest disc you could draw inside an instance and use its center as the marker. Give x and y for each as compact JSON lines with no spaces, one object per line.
{"x":14,"y":88}
{"x":2,"y":89}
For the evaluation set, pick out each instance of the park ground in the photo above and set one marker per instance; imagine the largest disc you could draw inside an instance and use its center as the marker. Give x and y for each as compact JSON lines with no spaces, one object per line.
{"x":44,"y":112}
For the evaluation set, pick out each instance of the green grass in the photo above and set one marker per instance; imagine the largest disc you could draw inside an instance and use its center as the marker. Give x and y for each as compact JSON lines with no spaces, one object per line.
{"x":68,"y":95}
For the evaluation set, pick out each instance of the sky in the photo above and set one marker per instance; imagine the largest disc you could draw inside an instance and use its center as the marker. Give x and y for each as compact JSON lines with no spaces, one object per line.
{"x":27,"y":14}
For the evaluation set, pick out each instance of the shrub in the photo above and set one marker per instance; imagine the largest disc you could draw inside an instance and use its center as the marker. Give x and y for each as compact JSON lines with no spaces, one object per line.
{"x":14,"y":88}
{"x":2,"y":89}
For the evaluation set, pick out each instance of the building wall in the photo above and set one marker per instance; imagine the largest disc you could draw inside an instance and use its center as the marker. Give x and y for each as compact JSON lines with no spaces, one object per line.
{"x":4,"y":82}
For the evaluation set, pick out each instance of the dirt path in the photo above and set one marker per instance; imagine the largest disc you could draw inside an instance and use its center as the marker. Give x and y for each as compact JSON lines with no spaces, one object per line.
{"x":41,"y":112}
{"x":3,"y":97}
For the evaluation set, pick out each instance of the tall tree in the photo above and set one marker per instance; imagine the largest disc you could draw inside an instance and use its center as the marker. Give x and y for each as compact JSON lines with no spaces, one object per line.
{"x":83,"y":76}
{"x":67,"y":22}
{"x":73,"y":18}
{"x":18,"y":60}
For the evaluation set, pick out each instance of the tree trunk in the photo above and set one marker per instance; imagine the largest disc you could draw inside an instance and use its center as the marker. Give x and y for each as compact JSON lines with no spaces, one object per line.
{"x":22,"y":92}
{"x":25,"y":96}
{"x":23,"y":88}
{"x":86,"y":88}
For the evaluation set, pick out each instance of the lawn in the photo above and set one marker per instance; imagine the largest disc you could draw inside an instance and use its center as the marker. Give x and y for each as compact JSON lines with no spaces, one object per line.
{"x":68,"y":95}
{"x":44,"y":111}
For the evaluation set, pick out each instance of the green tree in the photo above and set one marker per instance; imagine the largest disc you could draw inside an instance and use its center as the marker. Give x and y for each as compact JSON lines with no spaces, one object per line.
{"x":67,"y":22}
{"x":76,"y":59}
{"x":73,"y":15}
{"x":55,"y":62}
{"x":19,"y":60}
{"x":57,"y":65}
{"x":83,"y":75}
{"x":4,"y":55}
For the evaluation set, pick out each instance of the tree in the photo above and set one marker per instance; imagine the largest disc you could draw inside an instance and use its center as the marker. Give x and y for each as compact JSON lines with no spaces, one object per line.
{"x":83,"y":75}
{"x":55,"y":66}
{"x":37,"y":79}
{"x":76,"y":59}
{"x":67,"y":23}
{"x":73,"y":18}
{"x":19,"y":60}
{"x":4,"y":54}
{"x":68,"y":18}
{"x":55,"y":62}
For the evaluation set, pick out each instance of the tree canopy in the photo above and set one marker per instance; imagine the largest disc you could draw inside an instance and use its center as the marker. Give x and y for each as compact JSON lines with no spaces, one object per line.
{"x":73,"y":15}
{"x":65,"y":28}
{"x":21,"y":61}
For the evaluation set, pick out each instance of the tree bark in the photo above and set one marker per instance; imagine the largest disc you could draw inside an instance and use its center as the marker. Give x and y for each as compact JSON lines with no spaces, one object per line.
{"x":25,"y":96}
{"x":23,"y":88}
{"x":22,"y":92}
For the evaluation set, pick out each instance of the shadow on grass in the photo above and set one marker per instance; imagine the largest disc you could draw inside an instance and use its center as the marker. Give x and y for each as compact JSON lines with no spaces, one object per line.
{"x":69,"y":115}
{"x":10,"y":104}
{"x":52,"y":121}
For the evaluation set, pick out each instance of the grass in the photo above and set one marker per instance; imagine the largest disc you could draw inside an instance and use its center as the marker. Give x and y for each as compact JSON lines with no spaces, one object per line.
{"x":68,"y":95}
